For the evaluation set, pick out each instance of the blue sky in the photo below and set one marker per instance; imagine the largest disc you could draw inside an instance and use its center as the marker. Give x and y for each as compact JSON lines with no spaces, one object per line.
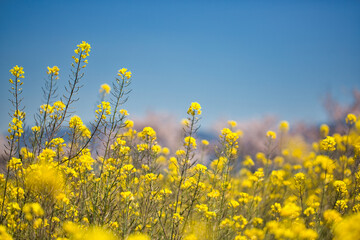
{"x":238,"y":59}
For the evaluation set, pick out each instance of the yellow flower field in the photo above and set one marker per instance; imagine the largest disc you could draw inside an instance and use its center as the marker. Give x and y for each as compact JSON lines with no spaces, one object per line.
{"x":108,"y":181}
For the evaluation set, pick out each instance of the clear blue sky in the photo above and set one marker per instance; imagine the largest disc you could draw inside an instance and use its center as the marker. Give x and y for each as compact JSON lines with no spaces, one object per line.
{"x":238,"y":59}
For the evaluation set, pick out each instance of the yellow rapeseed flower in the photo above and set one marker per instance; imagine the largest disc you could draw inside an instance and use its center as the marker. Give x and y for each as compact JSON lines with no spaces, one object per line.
{"x":54,"y":70}
{"x":178,"y":217}
{"x":127,"y":169}
{"x":3,"y":234}
{"x":180,"y":152}
{"x":213,"y":194}
{"x":299,"y":179}
{"x":348,"y":229}
{"x":59,"y":106}
{"x":201,"y":207}
{"x":350,"y":119}
{"x":105,"y":88}
{"x":128,"y":74}
{"x":271,"y":135}
{"x":124,"y":73}
{"x":83,"y":48}
{"x":233,"y":203}
{"x":328,"y":144}
{"x":44,"y":179}
{"x":332,"y":216}
{"x":32,"y":210}
{"x":324,"y":130}
{"x":17,"y":71}
{"x":35,"y":128}
{"x":165,"y":151}
{"x":284,"y":126}
{"x":147,"y":134}
{"x":205,"y":142}
{"x":240,"y":222}
{"x":123,"y":70}
{"x":190,"y":141}
{"x":248,"y":162}
{"x":340,"y":187}
{"x":200,"y":168}
{"x":185,"y":122}
{"x":127,"y":196}
{"x":232,"y":123}
{"x":276,"y":209}
{"x":124,"y":112}
{"x":75,"y":121}
{"x":290,"y":210}
{"x":129,"y":124}
{"x":194,"y":109}
{"x":14,"y":163}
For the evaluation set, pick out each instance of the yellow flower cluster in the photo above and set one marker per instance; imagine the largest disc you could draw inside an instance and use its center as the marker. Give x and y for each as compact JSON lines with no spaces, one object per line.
{"x":147,"y":134}
{"x":16,"y":127}
{"x":340,"y":187}
{"x":15,"y":163}
{"x":3,"y":234}
{"x":190,"y":142}
{"x":32,"y":210}
{"x":350,"y":119}
{"x":82,"y":51}
{"x":324,"y":130}
{"x":66,"y":183}
{"x":232,"y":123}
{"x":103,"y":110}
{"x":77,"y":124}
{"x":328,"y":144}
{"x":54,"y":70}
{"x":57,"y":143}
{"x":194,"y":109}
{"x":58,"y":106}
{"x":284,"y":126}
{"x":35,"y":128}
{"x":124,"y":112}
{"x":230,"y":140}
{"x":271,"y":135}
{"x":124,"y":73}
{"x":299,"y":180}
{"x":17,"y":71}
{"x":205,"y":142}
{"x":55,"y":111}
{"x":229,"y":136}
{"x":105,"y":88}
{"x":44,"y":180}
